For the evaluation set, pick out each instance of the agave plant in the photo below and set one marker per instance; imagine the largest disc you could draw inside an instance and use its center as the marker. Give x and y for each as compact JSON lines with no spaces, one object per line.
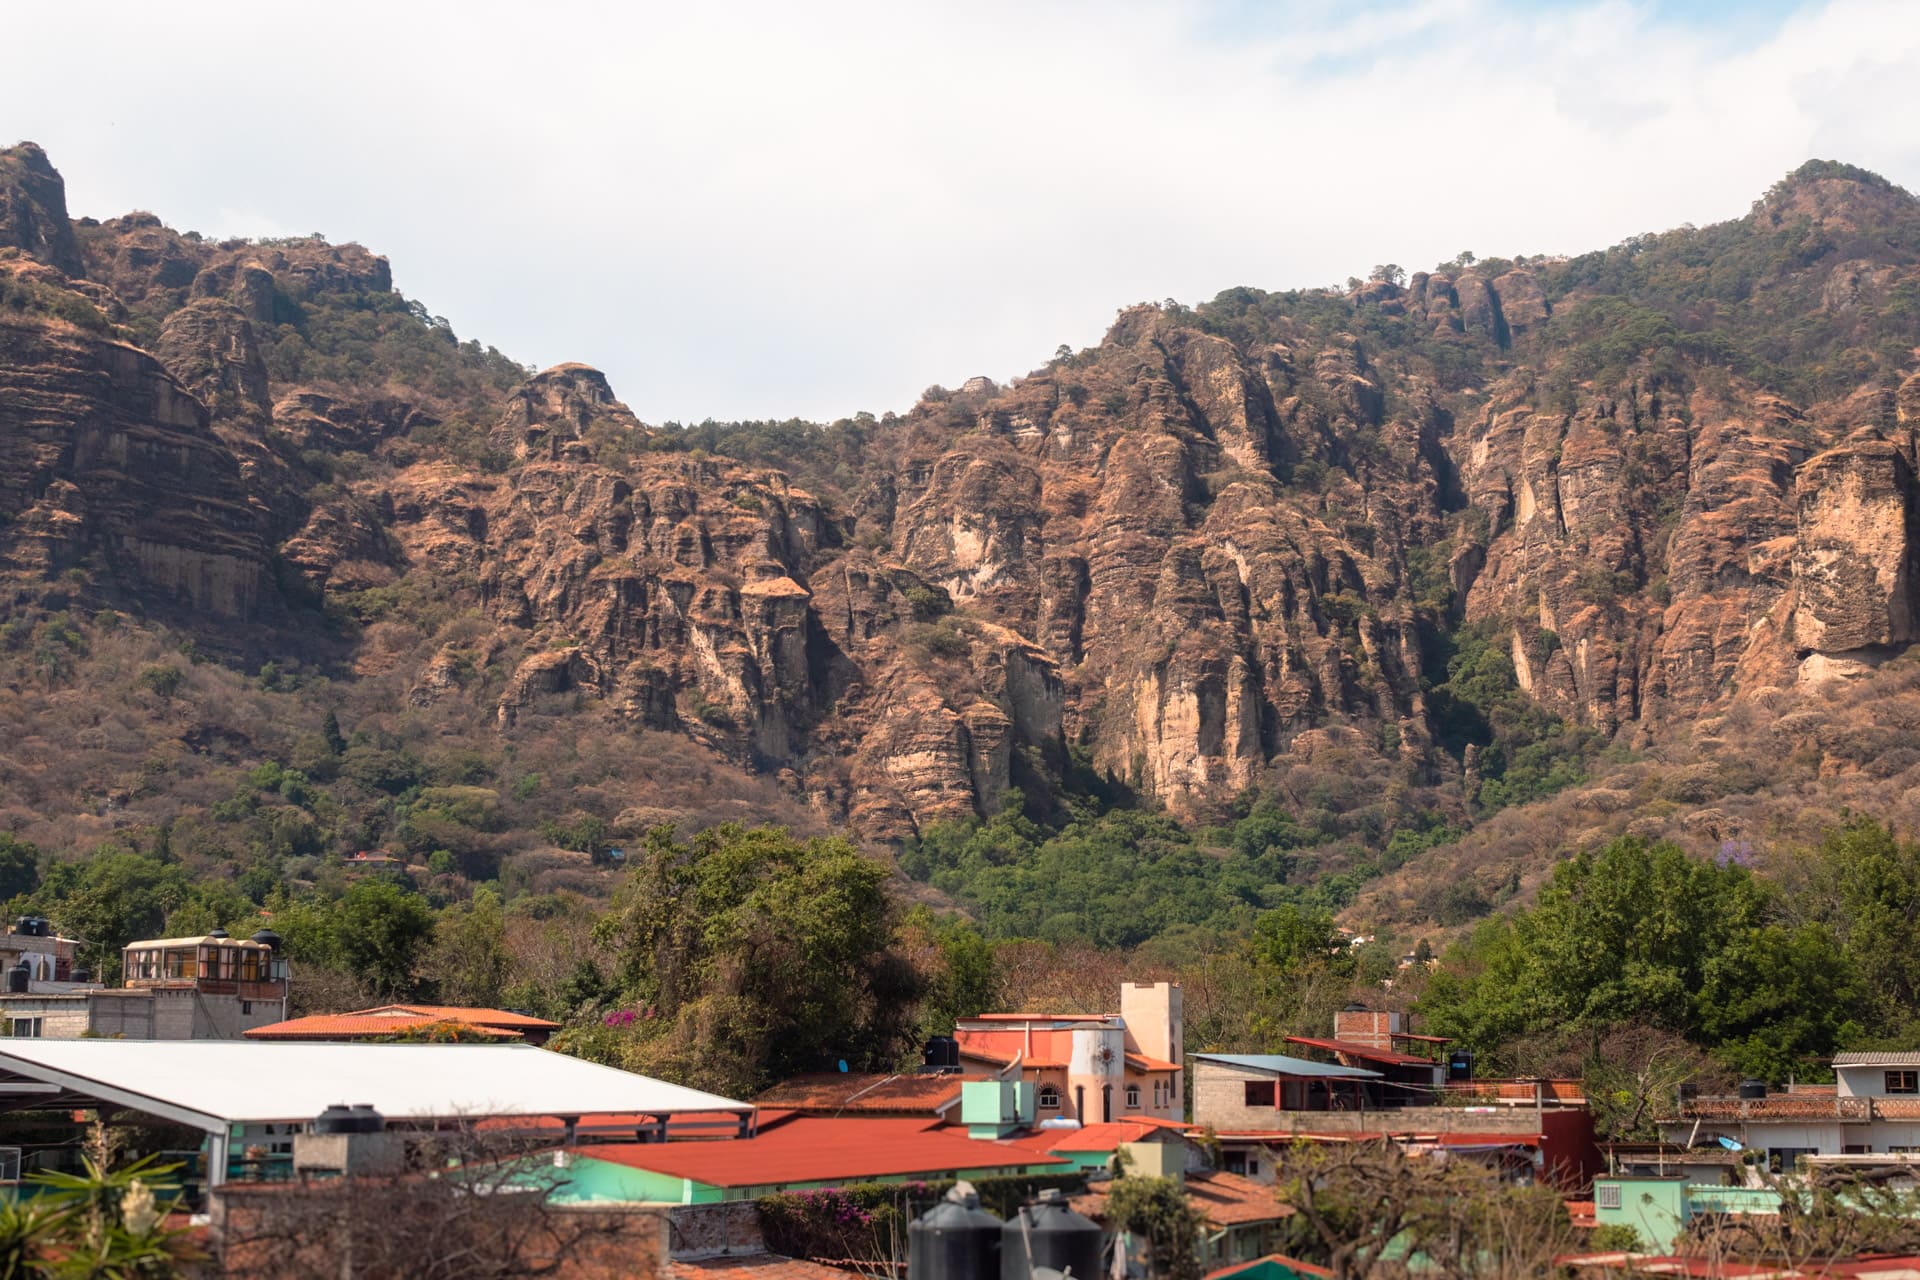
{"x":110,"y":1223}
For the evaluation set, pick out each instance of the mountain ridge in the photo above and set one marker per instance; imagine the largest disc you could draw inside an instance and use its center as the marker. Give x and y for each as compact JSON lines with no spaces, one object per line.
{"x":1475,"y":535}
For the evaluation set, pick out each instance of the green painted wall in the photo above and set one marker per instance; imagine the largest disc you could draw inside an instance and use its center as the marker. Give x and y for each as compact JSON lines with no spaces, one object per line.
{"x":591,"y":1181}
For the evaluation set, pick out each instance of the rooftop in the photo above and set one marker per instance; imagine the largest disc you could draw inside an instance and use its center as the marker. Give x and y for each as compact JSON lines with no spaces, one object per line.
{"x":1281,"y":1065}
{"x":820,"y":1149}
{"x":1391,"y":1057}
{"x":211,"y":1084}
{"x":149,"y":943}
{"x":1227,"y":1199}
{"x":837,"y":1091}
{"x":388,"y":1019}
{"x":754,"y":1266}
{"x":1093,"y":1137}
{"x":1878,"y":1058}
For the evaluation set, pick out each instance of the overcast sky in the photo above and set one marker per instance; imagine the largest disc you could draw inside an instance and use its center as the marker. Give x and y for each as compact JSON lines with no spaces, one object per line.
{"x":811,"y":209}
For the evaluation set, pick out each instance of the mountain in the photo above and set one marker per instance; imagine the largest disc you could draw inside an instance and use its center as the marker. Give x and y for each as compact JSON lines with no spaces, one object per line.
{"x":1426,"y":564}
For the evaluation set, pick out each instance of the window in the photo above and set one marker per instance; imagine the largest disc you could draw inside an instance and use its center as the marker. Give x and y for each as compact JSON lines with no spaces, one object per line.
{"x":1606,"y":1195}
{"x":1903,"y":1082}
{"x":1253,"y":1167}
{"x":1236,"y":1161}
{"x":1259,"y":1093}
{"x":1133,"y":1097}
{"x":26,"y":1028}
{"x":1049,"y":1098}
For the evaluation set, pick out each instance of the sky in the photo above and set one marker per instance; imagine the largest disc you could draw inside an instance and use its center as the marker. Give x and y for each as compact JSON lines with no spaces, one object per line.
{"x":774,"y":209}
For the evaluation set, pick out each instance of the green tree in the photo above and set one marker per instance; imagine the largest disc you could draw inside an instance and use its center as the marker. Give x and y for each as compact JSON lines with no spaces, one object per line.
{"x":379,"y":933}
{"x":469,"y":961}
{"x":115,"y":898}
{"x":1165,"y":1226}
{"x":759,"y":955}
{"x":19,"y":866}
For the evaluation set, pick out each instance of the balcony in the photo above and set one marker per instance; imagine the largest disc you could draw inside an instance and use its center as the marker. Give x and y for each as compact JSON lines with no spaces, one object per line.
{"x":1787,"y":1108}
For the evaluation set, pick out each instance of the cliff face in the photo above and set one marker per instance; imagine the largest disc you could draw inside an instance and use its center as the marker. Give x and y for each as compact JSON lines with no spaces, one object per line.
{"x":1208,"y":546}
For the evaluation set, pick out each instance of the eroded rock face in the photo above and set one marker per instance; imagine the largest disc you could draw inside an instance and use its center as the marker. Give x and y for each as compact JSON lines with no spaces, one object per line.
{"x":1194,"y":554}
{"x":108,"y":465}
{"x":1853,"y":570}
{"x":33,"y":209}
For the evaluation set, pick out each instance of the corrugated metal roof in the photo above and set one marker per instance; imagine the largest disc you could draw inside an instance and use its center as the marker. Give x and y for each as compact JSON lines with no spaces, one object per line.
{"x":1878,"y":1058}
{"x":1281,"y":1064}
{"x":1389,"y":1056}
{"x":210,"y":1084}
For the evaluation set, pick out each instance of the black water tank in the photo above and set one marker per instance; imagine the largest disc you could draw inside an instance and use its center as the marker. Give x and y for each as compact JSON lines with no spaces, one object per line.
{"x":954,"y":1240}
{"x":269,"y":937}
{"x":19,"y":977}
{"x":941,"y":1053}
{"x":1753,"y":1088}
{"x":1460,"y":1067}
{"x":83,"y":976}
{"x":1050,"y":1234}
{"x":218,"y":933}
{"x":341,"y":1118}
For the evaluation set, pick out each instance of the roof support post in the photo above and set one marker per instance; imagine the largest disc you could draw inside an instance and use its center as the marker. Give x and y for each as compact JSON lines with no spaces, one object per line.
{"x":217,"y":1159}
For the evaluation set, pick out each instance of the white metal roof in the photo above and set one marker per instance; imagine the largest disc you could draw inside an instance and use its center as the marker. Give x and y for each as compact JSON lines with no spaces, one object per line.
{"x":147,"y":944}
{"x":1878,"y":1058}
{"x":211,"y":1084}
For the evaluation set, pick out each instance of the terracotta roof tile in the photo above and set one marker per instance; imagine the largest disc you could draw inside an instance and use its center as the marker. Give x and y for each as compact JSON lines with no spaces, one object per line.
{"x":756,"y":1266}
{"x":348,"y":1026}
{"x":1227,"y":1200}
{"x":834,"y":1091}
{"x":820,"y":1149}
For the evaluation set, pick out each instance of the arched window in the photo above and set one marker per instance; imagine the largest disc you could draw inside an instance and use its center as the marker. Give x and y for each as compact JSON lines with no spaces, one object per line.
{"x":1049,"y":1098}
{"x":1133,"y":1097}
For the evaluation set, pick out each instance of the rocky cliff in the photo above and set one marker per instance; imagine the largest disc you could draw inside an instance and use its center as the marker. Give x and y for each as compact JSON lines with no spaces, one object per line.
{"x":1183,"y":559}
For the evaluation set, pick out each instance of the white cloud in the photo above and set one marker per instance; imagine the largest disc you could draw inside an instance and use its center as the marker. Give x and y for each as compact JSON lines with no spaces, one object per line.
{"x":775,"y":209}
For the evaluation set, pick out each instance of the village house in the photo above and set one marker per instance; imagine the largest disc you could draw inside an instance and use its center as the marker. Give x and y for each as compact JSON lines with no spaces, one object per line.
{"x":209,"y":987}
{"x":1873,"y":1108}
{"x":1089,"y":1067}
{"x":1363,"y":1085}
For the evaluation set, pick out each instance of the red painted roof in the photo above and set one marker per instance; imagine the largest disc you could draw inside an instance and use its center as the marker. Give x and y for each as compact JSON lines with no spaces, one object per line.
{"x":819,"y":1149}
{"x":1367,"y":1051}
{"x":835,"y":1092}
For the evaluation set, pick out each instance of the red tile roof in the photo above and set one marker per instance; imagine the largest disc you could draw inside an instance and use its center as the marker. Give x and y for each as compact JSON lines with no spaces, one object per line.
{"x":462,"y":1013}
{"x":835,"y":1092}
{"x":820,"y":1149}
{"x":755,"y":1266}
{"x":1389,"y":1056}
{"x":1039,"y":1017}
{"x":353,"y":1026}
{"x":1227,"y":1200}
{"x":1092,"y":1137}
{"x":386,"y":1019}
{"x":1141,"y":1062}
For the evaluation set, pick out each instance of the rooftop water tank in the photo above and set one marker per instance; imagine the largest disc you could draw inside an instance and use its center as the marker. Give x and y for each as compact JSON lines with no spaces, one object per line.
{"x":1050,"y":1235}
{"x":1753,"y":1088}
{"x":341,"y":1118}
{"x":268,"y":937}
{"x":954,"y":1240}
{"x":19,"y":977}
